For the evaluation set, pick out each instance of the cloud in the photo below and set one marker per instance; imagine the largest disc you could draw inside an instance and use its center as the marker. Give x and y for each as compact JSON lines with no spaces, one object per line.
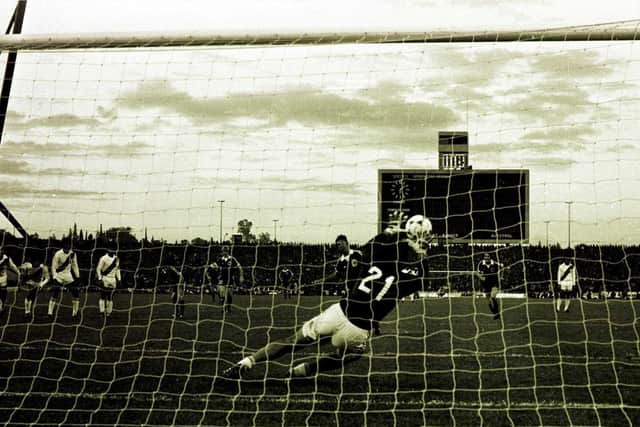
{"x":551,"y":139}
{"x":285,"y":183}
{"x":573,"y":64}
{"x":53,"y":121}
{"x":19,"y":190}
{"x":549,"y":162}
{"x":14,"y":167}
{"x":24,"y":168}
{"x":305,"y":105}
{"x":50,"y":150}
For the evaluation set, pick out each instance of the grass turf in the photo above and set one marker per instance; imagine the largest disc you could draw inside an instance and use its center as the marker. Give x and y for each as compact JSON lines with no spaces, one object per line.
{"x":438,"y":362}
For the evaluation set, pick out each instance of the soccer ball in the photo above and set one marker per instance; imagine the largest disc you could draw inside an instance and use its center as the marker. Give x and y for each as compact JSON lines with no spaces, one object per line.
{"x":419,"y":231}
{"x":418,"y":226}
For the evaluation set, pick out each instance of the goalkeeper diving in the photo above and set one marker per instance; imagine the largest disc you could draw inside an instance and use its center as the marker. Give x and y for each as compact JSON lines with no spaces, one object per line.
{"x":395,"y":265}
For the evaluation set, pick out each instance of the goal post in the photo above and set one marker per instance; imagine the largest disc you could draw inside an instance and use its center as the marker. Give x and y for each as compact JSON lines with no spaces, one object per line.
{"x":177,"y":152}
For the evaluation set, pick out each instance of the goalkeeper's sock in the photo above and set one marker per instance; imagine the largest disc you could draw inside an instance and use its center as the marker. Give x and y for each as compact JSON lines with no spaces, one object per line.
{"x":247,"y":362}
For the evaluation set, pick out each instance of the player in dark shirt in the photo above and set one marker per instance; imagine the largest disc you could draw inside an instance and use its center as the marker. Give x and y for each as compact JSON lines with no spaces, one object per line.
{"x":396,"y":266}
{"x":229,"y":275}
{"x":171,"y":278}
{"x":489,"y":274}
{"x":346,"y":270}
{"x":286,"y":276}
{"x":211,"y":277}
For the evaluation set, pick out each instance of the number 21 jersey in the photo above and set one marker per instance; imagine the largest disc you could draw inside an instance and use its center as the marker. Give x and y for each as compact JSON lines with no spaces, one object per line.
{"x":392,"y":270}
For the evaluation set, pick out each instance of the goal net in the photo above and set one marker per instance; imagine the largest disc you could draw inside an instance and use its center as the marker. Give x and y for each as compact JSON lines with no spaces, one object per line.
{"x":166,"y":151}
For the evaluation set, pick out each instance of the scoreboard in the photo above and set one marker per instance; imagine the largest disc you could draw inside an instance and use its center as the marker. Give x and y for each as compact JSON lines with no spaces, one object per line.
{"x":464,"y":206}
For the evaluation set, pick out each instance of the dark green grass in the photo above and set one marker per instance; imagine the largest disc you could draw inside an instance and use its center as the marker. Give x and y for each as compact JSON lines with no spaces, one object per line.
{"x":438,"y":362}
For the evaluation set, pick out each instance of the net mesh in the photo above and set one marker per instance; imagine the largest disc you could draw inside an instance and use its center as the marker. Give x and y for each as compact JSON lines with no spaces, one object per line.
{"x":174,"y":152}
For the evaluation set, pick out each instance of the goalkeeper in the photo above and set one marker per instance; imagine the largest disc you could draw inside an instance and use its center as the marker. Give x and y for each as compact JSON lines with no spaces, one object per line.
{"x":396,"y":266}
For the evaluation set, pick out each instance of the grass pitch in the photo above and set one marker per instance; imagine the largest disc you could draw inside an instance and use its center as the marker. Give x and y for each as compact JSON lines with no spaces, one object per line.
{"x":437,"y":362}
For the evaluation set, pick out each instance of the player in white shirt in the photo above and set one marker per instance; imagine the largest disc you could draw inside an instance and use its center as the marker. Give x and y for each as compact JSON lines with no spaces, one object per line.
{"x":567,"y":282}
{"x":33,"y":279}
{"x":65,"y":273}
{"x":6,"y":264}
{"x":108,"y":273}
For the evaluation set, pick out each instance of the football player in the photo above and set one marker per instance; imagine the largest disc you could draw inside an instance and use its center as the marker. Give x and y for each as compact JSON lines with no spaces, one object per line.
{"x":108,"y":274}
{"x":396,"y":266}
{"x":65,"y":273}
{"x":286,"y":276}
{"x":567,"y":282}
{"x":173,"y":278}
{"x":33,"y":279}
{"x":229,"y":274}
{"x":6,"y":263}
{"x":347,"y":267}
{"x":211,"y":277}
{"x":489,"y":273}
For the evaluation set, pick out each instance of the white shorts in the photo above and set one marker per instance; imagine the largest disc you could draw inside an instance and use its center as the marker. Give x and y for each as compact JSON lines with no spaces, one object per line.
{"x":109,"y":282}
{"x":564,"y":287}
{"x":344,"y":334}
{"x":64,"y":278}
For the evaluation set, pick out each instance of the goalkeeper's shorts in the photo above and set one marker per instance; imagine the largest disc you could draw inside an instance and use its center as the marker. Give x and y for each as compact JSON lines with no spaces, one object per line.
{"x":332,"y":322}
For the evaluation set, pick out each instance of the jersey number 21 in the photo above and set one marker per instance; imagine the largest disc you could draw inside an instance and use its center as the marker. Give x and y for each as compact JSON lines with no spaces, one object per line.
{"x":374,"y":274}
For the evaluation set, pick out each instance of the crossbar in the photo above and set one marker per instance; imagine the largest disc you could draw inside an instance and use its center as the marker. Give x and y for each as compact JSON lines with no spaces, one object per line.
{"x":240,"y":38}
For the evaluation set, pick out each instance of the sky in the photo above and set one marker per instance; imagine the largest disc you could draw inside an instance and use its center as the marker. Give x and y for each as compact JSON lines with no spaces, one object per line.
{"x":292,"y":137}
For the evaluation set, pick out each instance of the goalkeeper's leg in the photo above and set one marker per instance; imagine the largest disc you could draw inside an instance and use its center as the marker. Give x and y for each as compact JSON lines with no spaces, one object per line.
{"x":277,"y":349}
{"x":324,"y":363}
{"x":271,"y":351}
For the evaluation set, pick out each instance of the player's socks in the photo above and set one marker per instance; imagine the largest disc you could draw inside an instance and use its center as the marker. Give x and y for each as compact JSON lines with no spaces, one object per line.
{"x":75,"y":305}
{"x":109,"y":307}
{"x":101,"y":305}
{"x":50,"y":308}
{"x":299,"y":370}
